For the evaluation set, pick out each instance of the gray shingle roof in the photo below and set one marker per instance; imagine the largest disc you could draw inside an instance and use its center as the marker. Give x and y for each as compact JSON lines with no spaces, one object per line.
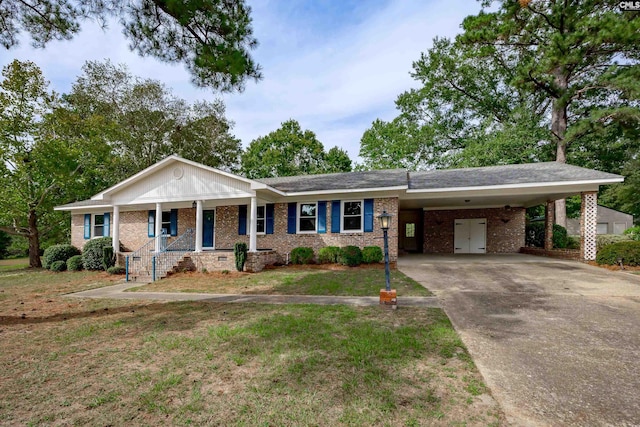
{"x":504,"y":175}
{"x":339,"y":181}
{"x":85,"y":203}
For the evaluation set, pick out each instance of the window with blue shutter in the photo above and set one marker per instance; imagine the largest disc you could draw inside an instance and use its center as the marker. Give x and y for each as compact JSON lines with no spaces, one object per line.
{"x":322,"y":217}
{"x":242,"y":220}
{"x":291,"y":218}
{"x":87,"y":226}
{"x":368,"y":215}
{"x":335,"y":216}
{"x":151,"y":224}
{"x":270,"y":218}
{"x":106,"y":229}
{"x":173,"y":222}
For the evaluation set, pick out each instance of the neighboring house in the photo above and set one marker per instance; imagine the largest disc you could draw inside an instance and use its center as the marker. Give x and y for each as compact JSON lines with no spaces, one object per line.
{"x":203,"y":211}
{"x":609,"y":221}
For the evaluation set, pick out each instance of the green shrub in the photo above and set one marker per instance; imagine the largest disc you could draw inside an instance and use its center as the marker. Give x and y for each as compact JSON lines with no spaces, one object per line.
{"x":633,"y":233}
{"x":93,"y":253}
{"x":58,"y":266}
{"x":116,"y":269}
{"x":573,"y":242}
{"x":372,"y":254}
{"x":534,"y":234}
{"x":629,"y":251}
{"x":240,"y":251}
{"x":350,"y":255}
{"x":559,"y":236}
{"x":58,"y":253}
{"x":328,"y":255}
{"x":302,"y":255}
{"x":74,"y":263}
{"x":603,"y":240}
{"x":108,"y":257}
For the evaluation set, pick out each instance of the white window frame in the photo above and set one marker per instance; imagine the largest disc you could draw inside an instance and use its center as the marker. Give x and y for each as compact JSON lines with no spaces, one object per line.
{"x":93,"y":226}
{"x":169,"y":222}
{"x":299,"y":217}
{"x":342,"y":216}
{"x":264,"y":218}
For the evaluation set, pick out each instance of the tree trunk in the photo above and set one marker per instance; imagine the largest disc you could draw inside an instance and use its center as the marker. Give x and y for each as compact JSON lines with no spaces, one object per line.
{"x":559,"y":129}
{"x":34,"y":241}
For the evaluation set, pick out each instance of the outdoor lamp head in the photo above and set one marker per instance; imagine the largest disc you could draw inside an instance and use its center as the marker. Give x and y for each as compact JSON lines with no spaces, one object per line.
{"x":385,"y":220}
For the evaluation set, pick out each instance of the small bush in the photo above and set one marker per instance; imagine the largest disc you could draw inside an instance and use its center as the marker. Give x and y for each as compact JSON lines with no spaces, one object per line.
{"x":351,"y":256}
{"x":93,"y":253}
{"x":58,"y":253}
{"x":108,"y":257}
{"x":603,"y":240}
{"x":573,"y":242}
{"x":302,"y":255}
{"x":534,"y":234}
{"x":58,"y":266}
{"x":559,"y":236}
{"x":240,"y":252}
{"x":328,"y":255}
{"x":372,"y":254}
{"x":116,"y":269}
{"x":633,"y":233}
{"x":629,"y":251}
{"x":74,"y":263}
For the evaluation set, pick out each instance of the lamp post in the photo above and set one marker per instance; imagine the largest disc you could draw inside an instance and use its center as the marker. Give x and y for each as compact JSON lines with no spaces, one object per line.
{"x":385,"y":220}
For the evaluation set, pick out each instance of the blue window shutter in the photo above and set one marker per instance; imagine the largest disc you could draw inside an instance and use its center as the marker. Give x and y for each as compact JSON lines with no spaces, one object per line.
{"x":335,"y":216}
{"x":322,"y":217}
{"x":269,"y":220}
{"x":242,"y":220}
{"x":87,"y":226}
{"x":368,"y":215}
{"x":173,"y":227}
{"x":106,"y":228}
{"x":291,"y":218}
{"x":151,"y":224}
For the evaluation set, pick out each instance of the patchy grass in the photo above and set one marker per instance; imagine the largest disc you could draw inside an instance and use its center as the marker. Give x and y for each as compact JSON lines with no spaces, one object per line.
{"x":290,"y":281}
{"x":231,"y":364}
{"x":13,"y":264}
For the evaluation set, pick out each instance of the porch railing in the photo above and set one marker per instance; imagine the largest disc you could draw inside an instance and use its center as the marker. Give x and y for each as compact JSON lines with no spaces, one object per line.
{"x":148,"y":263}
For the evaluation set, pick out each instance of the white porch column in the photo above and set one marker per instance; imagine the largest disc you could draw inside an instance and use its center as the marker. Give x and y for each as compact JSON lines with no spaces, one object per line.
{"x":158,"y":225}
{"x":116,"y":229}
{"x":253,"y":226}
{"x":588,"y":226}
{"x":198,"y":225}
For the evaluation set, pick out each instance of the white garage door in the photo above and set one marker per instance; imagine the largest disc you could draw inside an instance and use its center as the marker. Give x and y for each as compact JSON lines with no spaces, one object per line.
{"x":470,"y":236}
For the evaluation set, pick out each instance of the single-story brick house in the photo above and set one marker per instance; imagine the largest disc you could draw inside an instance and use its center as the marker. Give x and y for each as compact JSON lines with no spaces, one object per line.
{"x":203,"y":211}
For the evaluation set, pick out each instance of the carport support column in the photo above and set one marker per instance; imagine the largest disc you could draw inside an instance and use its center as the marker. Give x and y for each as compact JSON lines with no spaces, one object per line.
{"x":116,"y":230}
{"x":253,"y":226}
{"x":588,"y":226}
{"x":549,"y":220}
{"x":199,"y":225}
{"x":158,"y":230}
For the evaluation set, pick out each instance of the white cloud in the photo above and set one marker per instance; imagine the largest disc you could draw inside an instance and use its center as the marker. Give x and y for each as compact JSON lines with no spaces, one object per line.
{"x":334,"y":78}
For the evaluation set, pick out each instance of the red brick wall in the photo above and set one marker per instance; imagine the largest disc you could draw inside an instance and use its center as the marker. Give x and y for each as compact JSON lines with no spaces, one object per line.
{"x":505,"y":229}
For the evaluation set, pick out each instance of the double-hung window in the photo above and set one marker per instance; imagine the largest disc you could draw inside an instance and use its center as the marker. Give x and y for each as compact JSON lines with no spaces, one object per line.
{"x":352,"y":216}
{"x":308,"y":217}
{"x":260,"y":220}
{"x":98,"y":225}
{"x":166,"y":222}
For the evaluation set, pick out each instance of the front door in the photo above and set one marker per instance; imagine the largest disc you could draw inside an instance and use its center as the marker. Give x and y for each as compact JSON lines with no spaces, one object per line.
{"x":208,"y":224}
{"x":470,"y":236}
{"x":410,"y":223}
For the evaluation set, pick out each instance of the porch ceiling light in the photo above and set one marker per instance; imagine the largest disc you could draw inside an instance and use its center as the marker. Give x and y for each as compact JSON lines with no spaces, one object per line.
{"x":385,"y":220}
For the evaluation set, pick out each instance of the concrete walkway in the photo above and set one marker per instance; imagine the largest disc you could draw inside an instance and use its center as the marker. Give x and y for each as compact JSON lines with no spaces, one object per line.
{"x":558,"y":342}
{"x":118,"y":292}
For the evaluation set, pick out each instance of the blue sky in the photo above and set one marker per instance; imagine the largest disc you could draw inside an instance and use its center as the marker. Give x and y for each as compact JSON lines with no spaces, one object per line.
{"x":335,"y":66}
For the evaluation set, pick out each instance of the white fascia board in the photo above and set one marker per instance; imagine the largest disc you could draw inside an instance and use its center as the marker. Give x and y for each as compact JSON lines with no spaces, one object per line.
{"x":346,"y":191}
{"x":82,"y":208}
{"x":462,"y":208}
{"x":100,"y":196}
{"x":517,"y":186}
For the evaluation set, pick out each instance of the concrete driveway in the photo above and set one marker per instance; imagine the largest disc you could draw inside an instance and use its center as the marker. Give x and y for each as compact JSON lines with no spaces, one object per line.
{"x":558,"y":342}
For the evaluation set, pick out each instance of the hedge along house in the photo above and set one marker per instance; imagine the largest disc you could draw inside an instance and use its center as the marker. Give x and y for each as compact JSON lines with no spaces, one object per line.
{"x":178,"y":211}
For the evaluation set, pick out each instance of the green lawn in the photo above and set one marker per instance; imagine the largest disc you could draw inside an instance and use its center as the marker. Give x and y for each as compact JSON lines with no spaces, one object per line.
{"x":13,"y":264}
{"x":291,"y":281}
{"x":115,"y":362}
